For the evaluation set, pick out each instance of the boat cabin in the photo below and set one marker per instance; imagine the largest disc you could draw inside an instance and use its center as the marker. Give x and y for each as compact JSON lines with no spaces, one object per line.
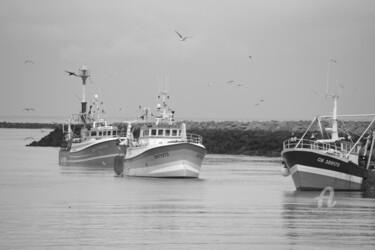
{"x":99,"y":130}
{"x":160,"y":132}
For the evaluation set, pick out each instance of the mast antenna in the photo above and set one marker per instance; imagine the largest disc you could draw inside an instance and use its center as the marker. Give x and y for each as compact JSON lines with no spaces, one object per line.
{"x":328,"y":74}
{"x":84,"y":73}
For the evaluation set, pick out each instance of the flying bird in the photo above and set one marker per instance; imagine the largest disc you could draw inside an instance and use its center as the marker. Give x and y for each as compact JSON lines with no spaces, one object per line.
{"x":182,"y":38}
{"x":28,"y":61}
{"x":230,"y":82}
{"x":28,"y":109}
{"x":316,"y":93}
{"x":242,"y":85}
{"x":333,"y":60}
{"x":29,"y":138}
{"x":71,"y":73}
{"x":257,"y":104}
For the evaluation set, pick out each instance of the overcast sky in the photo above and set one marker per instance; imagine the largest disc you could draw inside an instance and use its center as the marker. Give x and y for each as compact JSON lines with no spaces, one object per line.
{"x":128,"y":44}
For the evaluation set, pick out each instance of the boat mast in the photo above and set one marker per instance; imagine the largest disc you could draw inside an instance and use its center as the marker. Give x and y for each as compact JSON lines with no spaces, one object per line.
{"x":84,"y":73}
{"x":164,"y":112}
{"x":335,"y":133}
{"x":334,"y":130}
{"x":371,"y":150}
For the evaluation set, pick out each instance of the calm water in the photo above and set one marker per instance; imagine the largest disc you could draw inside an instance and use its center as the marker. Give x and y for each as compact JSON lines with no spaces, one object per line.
{"x":237,"y":203}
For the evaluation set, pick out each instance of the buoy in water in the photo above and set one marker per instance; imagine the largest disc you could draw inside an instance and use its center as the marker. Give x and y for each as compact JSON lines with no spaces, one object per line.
{"x":119,"y":165}
{"x":285,"y":171}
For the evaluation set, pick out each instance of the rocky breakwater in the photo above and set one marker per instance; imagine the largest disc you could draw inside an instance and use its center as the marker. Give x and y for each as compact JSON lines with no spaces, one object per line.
{"x":257,"y":138}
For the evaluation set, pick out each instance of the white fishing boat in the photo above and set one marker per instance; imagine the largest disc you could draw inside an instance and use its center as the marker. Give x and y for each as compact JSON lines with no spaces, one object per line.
{"x":341,"y":159}
{"x":97,"y":143}
{"x":162,"y":148}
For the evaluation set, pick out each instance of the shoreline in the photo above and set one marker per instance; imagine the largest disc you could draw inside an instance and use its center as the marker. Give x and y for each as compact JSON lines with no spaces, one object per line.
{"x":255,"y":138}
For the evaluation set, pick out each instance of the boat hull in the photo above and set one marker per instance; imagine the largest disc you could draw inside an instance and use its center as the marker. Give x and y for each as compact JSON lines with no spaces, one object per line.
{"x":98,"y":153}
{"x":313,"y":170}
{"x":180,"y":160}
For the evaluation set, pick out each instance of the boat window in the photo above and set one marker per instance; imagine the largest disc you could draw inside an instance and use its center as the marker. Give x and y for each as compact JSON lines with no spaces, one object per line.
{"x":146,"y":132}
{"x":109,"y":132}
{"x":100,"y":133}
{"x":114,"y":132}
{"x":93,"y":133}
{"x":153,"y":131}
{"x":167,"y":132}
{"x":174,"y":132}
{"x":160,"y":132}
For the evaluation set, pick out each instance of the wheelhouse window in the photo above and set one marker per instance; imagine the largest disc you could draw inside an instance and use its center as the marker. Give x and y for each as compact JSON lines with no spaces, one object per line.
{"x":153,"y":131}
{"x":100,"y":133}
{"x":146,"y":132}
{"x":93,"y":133}
{"x":167,"y":132}
{"x":114,"y":132}
{"x":160,"y":131}
{"x":174,"y":132}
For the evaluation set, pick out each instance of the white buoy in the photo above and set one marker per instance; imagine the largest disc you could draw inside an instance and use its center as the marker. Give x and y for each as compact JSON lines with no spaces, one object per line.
{"x":285,"y":171}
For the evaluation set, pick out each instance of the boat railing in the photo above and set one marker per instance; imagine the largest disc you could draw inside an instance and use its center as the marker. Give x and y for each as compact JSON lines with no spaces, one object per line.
{"x":191,"y":138}
{"x":313,"y":145}
{"x":194,"y":138}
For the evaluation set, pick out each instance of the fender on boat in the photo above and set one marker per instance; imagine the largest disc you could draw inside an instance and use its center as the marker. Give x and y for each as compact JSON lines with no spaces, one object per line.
{"x":119,"y":164}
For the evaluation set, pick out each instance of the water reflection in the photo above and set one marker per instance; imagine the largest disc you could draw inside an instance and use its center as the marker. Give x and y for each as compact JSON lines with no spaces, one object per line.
{"x":84,"y":169}
{"x":350,"y":222}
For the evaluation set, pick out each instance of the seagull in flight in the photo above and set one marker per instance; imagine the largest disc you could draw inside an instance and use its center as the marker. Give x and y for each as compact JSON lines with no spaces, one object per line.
{"x":316,"y":93}
{"x":71,"y":73}
{"x":257,"y":104}
{"x":29,"y":138}
{"x":242,"y":85}
{"x":91,"y":80}
{"x":28,"y":61}
{"x":230,"y":82}
{"x":28,"y":109}
{"x":182,"y":38}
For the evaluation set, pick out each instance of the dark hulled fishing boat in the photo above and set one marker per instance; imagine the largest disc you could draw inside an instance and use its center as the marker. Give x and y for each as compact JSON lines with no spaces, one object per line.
{"x":339,"y":162}
{"x":97,"y":143}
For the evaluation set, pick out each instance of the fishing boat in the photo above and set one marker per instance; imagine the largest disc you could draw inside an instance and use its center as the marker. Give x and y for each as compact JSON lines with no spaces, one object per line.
{"x":96,"y":143}
{"x":162,"y":149}
{"x":336,"y":157}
